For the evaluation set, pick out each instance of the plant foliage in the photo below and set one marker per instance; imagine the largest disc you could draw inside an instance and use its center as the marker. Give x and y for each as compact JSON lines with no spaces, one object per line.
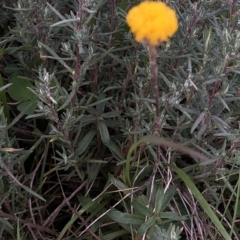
{"x":76,"y":98}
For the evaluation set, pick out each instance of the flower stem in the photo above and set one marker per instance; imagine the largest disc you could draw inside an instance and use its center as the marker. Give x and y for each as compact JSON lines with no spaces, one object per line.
{"x":154,"y":81}
{"x":157,"y":119}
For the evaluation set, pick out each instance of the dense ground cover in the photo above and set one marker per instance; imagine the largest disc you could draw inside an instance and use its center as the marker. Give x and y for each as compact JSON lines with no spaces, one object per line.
{"x":79,"y":155}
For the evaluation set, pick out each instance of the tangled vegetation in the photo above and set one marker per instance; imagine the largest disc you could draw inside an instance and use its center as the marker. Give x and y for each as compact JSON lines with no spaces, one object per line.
{"x":92,"y":148}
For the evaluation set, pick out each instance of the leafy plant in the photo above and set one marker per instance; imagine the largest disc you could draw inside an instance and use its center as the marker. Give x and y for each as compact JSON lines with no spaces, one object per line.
{"x":19,"y":91}
{"x":90,"y":150}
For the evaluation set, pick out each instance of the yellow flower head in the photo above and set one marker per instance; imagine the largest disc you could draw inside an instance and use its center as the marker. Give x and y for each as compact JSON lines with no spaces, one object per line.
{"x":153,"y":22}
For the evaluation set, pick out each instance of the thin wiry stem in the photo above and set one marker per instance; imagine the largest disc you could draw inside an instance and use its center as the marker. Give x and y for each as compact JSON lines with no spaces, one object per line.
{"x":154,"y":82}
{"x":157,"y":120}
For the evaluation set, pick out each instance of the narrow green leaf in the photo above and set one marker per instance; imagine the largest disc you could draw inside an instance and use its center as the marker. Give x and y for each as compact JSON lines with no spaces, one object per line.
{"x":85,"y":142}
{"x":5,"y":222}
{"x":223,"y":102}
{"x":141,"y":208}
{"x":115,"y":235}
{"x":64,"y":23}
{"x":5,"y":87}
{"x":205,"y":206}
{"x":115,"y":151}
{"x":111,"y":114}
{"x":159,"y":200}
{"x":118,"y":184}
{"x":168,"y":195}
{"x":145,"y":226}
{"x":32,"y":193}
{"x":88,"y":119}
{"x":207,"y":39}
{"x":197,"y":121}
{"x":2,"y":188}
{"x":125,"y":218}
{"x":93,"y":171}
{"x":172,"y":216}
{"x":11,"y":50}
{"x":101,"y":103}
{"x":56,"y":12}
{"x":103,"y":132}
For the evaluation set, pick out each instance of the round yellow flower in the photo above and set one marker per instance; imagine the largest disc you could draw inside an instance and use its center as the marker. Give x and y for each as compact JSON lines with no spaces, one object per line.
{"x":153,"y":22}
